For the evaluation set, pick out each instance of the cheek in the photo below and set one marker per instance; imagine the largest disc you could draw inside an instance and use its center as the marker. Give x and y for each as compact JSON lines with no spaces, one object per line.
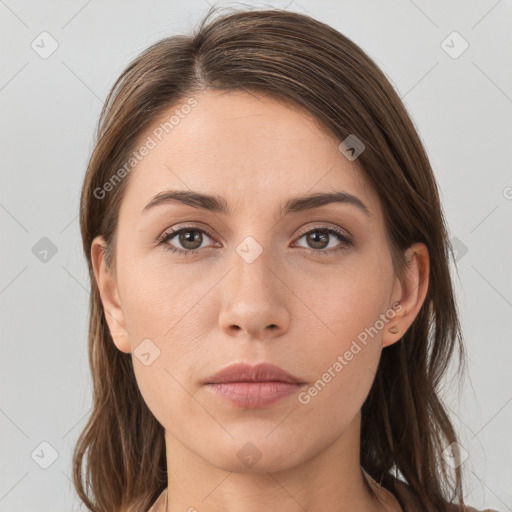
{"x":169,"y":316}
{"x":351,"y":313}
{"x":159,"y":301}
{"x":166,"y":320}
{"x":343,"y":364}
{"x":347,"y":300}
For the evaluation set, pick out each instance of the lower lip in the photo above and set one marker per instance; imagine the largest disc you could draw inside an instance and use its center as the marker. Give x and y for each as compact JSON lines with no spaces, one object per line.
{"x":254,"y":395}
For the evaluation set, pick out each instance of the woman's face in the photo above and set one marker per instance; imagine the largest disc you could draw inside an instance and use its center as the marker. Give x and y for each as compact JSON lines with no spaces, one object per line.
{"x":253,"y":290}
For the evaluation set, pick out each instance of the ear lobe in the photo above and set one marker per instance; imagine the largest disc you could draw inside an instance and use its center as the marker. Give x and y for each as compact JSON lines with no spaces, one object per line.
{"x":107,"y":285}
{"x":412,"y":292}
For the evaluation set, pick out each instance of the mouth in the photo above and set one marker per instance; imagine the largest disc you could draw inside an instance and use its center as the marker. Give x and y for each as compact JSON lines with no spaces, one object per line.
{"x":253,"y":387}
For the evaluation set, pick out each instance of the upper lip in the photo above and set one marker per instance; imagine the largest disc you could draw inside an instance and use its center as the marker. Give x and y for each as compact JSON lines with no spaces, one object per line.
{"x":243,"y":372}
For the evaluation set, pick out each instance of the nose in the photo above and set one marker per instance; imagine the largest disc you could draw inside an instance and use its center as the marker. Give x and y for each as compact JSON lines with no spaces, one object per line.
{"x":254,"y":300}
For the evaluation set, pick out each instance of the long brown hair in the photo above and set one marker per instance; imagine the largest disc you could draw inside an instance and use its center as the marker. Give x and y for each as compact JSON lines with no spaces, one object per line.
{"x":294,"y":58}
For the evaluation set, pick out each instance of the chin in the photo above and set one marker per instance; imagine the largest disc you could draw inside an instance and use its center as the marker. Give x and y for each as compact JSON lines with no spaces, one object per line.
{"x":257,"y":454}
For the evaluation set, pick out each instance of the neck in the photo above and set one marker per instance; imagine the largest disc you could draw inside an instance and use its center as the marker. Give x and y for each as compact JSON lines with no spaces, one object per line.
{"x":330,"y":479}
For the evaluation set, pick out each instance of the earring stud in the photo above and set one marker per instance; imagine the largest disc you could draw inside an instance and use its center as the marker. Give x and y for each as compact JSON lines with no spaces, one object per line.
{"x":394,"y":330}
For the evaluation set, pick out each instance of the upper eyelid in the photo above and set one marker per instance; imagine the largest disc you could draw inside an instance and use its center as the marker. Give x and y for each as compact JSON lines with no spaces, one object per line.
{"x":174,"y":231}
{"x":337,"y":229}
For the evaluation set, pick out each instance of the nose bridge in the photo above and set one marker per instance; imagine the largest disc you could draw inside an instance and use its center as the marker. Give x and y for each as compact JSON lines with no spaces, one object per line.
{"x":253,"y":298}
{"x":252,"y":268}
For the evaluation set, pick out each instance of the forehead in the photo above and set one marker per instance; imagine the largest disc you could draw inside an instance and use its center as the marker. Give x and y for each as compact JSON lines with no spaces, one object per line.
{"x":245,"y":147}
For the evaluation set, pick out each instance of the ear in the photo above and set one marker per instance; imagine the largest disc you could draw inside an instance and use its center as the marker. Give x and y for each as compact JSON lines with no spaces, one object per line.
{"x":408,"y":295}
{"x":107,"y":285}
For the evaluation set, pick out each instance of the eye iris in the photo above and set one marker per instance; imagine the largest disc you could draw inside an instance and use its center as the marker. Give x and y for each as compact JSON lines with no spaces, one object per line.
{"x":318,"y":237}
{"x":191,"y":236}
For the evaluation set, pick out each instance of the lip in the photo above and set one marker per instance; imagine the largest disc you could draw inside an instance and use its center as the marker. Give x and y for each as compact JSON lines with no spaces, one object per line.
{"x":243,"y":372}
{"x":253,"y":387}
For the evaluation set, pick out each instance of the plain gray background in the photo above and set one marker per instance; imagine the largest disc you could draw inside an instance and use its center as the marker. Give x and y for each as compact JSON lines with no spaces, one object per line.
{"x":461,"y":104}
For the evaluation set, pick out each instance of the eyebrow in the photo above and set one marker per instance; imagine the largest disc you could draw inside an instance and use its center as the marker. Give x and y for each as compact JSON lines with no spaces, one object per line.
{"x":218,"y":204}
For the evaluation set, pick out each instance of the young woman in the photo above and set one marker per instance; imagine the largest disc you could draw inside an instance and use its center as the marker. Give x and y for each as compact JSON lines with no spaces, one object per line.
{"x":272,"y":310}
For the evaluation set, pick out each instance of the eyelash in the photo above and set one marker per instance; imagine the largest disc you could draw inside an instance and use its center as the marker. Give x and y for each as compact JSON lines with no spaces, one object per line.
{"x":168,"y":235}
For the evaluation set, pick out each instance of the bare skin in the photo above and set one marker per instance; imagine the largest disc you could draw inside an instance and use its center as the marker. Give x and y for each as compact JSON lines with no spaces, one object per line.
{"x":291,"y":307}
